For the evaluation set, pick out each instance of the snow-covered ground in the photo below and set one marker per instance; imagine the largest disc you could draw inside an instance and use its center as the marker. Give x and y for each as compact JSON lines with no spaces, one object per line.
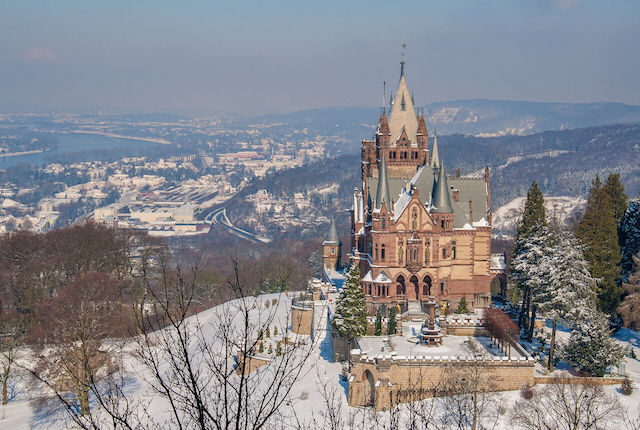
{"x":506,"y":217}
{"x":306,"y":395}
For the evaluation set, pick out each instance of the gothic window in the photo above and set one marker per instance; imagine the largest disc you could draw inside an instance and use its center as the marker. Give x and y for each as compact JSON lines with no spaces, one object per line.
{"x":442,"y":223}
{"x":444,"y":252}
{"x":441,"y":287}
{"x":384,"y":223}
{"x":376,"y":254}
{"x":382,"y":253}
{"x":414,"y":219}
{"x":453,"y":252}
{"x":333,"y":251}
{"x":369,"y":289}
{"x":415,"y":254}
{"x":405,"y":154}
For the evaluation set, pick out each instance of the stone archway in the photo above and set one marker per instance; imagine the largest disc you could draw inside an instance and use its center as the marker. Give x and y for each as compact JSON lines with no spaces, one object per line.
{"x":414,"y":289}
{"x":369,"y":386}
{"x":427,"y":286}
{"x":401,"y":289}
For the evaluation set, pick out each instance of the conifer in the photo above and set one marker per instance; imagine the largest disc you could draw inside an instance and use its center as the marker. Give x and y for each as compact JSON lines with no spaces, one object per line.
{"x":462,"y":306}
{"x":597,"y":231}
{"x":629,"y":237}
{"x":629,"y":309}
{"x":391,"y":327}
{"x":350,"y":318}
{"x":614,"y":188}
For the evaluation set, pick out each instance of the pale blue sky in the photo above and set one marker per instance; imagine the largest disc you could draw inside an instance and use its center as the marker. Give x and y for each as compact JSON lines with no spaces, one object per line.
{"x":280,"y":56}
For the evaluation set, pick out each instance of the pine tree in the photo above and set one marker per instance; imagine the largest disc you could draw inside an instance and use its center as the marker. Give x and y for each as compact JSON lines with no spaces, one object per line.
{"x":533,"y":220}
{"x":462,"y":306}
{"x":350,"y":318}
{"x":591,"y":348}
{"x":391,"y":327}
{"x":629,"y":237}
{"x":528,"y":272}
{"x":597,"y":231}
{"x":533,"y":217}
{"x":567,"y":291}
{"x":629,"y":309}
{"x":378,"y":331}
{"x":614,"y":188}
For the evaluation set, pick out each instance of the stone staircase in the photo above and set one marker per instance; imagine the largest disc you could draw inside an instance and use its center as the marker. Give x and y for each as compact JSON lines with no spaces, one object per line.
{"x":414,"y":308}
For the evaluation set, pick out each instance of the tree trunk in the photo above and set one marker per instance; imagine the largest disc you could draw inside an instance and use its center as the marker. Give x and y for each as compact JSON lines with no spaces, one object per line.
{"x":552,"y":346}
{"x":4,"y":388}
{"x":524,"y":308}
{"x":83,"y":398}
{"x":475,"y":411}
{"x":533,"y":322}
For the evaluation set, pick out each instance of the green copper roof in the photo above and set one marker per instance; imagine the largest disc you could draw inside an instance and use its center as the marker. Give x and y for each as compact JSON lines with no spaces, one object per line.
{"x":441,"y":202}
{"x":332,"y":235}
{"x":382,"y":193}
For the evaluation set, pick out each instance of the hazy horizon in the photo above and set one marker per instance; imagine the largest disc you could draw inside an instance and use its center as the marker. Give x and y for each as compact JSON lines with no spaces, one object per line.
{"x":256,"y":58}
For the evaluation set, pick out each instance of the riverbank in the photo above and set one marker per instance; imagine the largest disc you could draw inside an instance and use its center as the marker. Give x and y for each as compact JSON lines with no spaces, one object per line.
{"x":122,"y":136}
{"x":17,"y":154}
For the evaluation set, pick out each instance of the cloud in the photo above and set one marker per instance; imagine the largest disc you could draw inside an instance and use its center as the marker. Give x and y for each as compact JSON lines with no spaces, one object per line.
{"x":38,"y":54}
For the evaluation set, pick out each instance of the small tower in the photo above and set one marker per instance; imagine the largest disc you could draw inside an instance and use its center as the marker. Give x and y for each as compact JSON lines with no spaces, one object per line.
{"x":332,"y":248}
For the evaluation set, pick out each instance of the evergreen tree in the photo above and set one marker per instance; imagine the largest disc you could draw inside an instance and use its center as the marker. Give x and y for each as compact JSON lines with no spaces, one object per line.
{"x":533,"y":220}
{"x":528,"y":272}
{"x":591,"y":348}
{"x":350,"y":318}
{"x":567,"y":291}
{"x":378,"y":331}
{"x":391,"y":327}
{"x":614,"y":188}
{"x":629,"y":237}
{"x":462,"y":306}
{"x":597,"y":231}
{"x":534,"y":216}
{"x":629,"y":309}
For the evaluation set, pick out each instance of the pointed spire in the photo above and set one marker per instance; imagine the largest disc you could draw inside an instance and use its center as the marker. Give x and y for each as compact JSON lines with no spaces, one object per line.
{"x":382,"y":193}
{"x":422,"y":125}
{"x":332,"y":237}
{"x":435,"y":161}
{"x":440,"y":200}
{"x":383,"y":125}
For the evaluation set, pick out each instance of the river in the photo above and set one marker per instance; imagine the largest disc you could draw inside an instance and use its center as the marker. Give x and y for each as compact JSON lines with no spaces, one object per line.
{"x":84,"y":147}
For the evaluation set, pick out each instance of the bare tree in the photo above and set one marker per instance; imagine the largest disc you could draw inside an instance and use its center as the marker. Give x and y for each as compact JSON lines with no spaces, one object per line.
{"x":567,"y":407}
{"x":11,"y":340}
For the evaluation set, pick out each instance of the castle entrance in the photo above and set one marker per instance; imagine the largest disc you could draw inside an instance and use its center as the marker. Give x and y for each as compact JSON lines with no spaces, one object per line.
{"x":414,"y":289}
{"x":369,"y":388}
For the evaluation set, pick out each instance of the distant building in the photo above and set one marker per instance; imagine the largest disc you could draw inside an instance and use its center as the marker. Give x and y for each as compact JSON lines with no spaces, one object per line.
{"x":416,"y":229}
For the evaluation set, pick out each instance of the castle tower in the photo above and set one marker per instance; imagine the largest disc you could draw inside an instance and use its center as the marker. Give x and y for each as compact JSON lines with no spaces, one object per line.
{"x":332,"y":248}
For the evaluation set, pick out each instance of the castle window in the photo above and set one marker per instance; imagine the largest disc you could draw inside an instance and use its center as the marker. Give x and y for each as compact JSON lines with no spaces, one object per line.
{"x":444,"y":252}
{"x":441,"y":287}
{"x":382,"y":253}
{"x":369,"y":289}
{"x":384,"y":223}
{"x":333,"y":251}
{"x":453,"y":253}
{"x":376,"y":254}
{"x":442,"y":223}
{"x":415,"y":254}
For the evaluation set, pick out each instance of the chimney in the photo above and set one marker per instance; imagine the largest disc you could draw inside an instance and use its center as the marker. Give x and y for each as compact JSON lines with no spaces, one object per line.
{"x":456,"y":195}
{"x":458,"y":173}
{"x":471,"y":212}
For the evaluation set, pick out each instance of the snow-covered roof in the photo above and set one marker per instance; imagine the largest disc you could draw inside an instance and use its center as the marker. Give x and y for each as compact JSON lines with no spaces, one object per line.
{"x":482,"y":223}
{"x":368,"y":277}
{"x":382,"y":278}
{"x":401,"y":204}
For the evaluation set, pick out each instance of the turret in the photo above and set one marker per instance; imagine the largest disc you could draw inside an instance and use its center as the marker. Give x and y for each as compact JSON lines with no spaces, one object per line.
{"x":435,"y":161}
{"x":332,"y":248}
{"x":382,"y":193}
{"x":440,"y":201}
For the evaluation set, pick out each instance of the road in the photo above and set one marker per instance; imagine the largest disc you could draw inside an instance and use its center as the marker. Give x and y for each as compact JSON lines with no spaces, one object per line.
{"x":219,"y":217}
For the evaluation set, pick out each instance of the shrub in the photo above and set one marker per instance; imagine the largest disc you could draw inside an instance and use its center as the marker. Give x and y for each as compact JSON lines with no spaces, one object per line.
{"x":274,"y":301}
{"x":275,"y":330}
{"x":270,"y":350}
{"x":261,"y":348}
{"x":626,"y":386}
{"x":526,"y":392}
{"x":268,"y":333}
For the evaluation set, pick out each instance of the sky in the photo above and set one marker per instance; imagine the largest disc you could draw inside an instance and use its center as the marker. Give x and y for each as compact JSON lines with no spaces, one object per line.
{"x":251,"y":57}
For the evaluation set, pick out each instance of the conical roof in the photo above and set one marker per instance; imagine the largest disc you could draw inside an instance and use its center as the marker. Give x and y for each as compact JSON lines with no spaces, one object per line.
{"x":435,"y":161}
{"x":332,"y":237}
{"x":402,"y":113}
{"x":440,"y":201}
{"x":382,"y":193}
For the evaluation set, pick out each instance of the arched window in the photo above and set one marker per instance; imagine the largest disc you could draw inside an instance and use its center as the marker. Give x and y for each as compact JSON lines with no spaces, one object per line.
{"x":384,"y":223}
{"x":444,"y":252}
{"x":375,"y":257}
{"x":382,"y":253}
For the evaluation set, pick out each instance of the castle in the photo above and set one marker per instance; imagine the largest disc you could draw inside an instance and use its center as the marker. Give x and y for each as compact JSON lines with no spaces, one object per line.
{"x":416,"y":230}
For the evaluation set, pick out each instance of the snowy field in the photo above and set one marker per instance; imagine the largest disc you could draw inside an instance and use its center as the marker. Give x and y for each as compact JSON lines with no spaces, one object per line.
{"x":306,"y":396}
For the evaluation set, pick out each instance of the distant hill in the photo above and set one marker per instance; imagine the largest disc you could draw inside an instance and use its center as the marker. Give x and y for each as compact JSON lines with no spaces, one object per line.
{"x":469,"y":117}
{"x":563,"y":162}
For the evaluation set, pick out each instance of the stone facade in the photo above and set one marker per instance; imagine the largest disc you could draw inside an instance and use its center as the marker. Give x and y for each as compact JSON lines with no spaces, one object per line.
{"x":302,"y":317}
{"x":407,"y":247}
{"x":382,"y":381}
